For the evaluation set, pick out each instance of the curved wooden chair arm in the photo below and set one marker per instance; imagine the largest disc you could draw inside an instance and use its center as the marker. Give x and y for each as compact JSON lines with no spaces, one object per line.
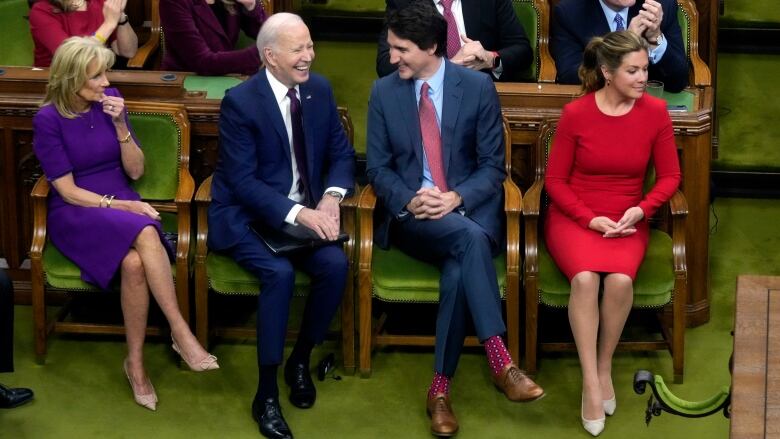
{"x":700,"y":75}
{"x":513,"y":205}
{"x":366,"y":205}
{"x":151,"y":46}
{"x":186,"y":188}
{"x":202,"y":200}
{"x":547,"y":70}
{"x":531,"y":211}
{"x":39,"y":194}
{"x":533,"y":199}
{"x":679,"y":208}
{"x":678,"y":204}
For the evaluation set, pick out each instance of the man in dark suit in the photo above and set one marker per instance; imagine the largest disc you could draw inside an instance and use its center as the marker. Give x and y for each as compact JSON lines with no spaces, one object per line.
{"x":283,"y":159}
{"x":440,"y":191}
{"x":486,"y":35}
{"x":8,"y":397}
{"x":575,"y":22}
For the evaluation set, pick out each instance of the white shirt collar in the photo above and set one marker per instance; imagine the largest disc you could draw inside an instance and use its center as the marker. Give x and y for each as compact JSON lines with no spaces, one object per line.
{"x":610,"y":14}
{"x":279,"y":89}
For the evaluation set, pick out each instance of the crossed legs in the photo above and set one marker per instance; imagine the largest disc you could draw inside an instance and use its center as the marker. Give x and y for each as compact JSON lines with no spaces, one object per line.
{"x":597,"y":331}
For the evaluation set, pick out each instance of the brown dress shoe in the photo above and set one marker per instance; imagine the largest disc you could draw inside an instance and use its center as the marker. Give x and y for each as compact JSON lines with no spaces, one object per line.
{"x":516,"y":385}
{"x":443,"y":422}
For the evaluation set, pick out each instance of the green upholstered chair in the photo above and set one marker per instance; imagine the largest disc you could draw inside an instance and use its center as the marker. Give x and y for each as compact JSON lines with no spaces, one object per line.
{"x":219,"y":274}
{"x":15,"y":32}
{"x":688,"y":18}
{"x":392,"y":276}
{"x":163,"y":131}
{"x":534,"y":15}
{"x":663,"y":400}
{"x":660,"y":281}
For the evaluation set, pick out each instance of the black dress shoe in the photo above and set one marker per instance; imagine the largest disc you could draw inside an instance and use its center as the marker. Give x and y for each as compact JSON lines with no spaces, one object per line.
{"x":10,"y":398}
{"x":268,"y":415}
{"x":302,"y":391}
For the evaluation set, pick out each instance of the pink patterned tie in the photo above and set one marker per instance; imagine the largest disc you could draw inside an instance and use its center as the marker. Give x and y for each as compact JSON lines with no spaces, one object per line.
{"x":431,"y":138}
{"x":453,"y":36}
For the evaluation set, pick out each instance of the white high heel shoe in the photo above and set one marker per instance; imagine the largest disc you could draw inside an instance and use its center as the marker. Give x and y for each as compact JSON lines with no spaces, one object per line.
{"x":592,"y":426}
{"x":609,"y":406}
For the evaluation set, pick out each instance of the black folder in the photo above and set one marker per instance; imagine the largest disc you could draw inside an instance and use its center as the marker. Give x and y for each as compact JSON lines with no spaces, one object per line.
{"x":291,"y":239}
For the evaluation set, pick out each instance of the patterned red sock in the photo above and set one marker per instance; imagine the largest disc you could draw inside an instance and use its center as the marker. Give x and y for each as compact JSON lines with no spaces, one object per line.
{"x":498,"y":356}
{"x":440,"y":384}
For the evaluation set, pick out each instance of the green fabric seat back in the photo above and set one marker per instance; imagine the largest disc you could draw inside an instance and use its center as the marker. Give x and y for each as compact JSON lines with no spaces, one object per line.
{"x":654,"y":283}
{"x":17,"y":47}
{"x":157,"y":134}
{"x":227,"y":277}
{"x":684,"y":21}
{"x":398,"y":277}
{"x":529,"y":18}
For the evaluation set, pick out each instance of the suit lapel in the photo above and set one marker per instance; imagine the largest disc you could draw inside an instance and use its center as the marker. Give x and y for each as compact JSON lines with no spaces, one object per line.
{"x":271,"y":107}
{"x":451,"y":97}
{"x":207,"y":17}
{"x":308,"y":110}
{"x":598,"y":17}
{"x":471,"y":17}
{"x":407,"y":107}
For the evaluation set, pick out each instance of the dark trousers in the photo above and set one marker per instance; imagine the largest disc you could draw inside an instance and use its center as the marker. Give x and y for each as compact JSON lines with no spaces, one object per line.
{"x":6,"y":323}
{"x":327,"y":268}
{"x":464,"y":254}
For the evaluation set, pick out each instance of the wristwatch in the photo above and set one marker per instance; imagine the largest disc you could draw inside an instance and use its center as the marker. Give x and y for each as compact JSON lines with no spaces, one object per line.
{"x":657,"y":41}
{"x":123,"y":19}
{"x":336,"y":194}
{"x":496,"y":59}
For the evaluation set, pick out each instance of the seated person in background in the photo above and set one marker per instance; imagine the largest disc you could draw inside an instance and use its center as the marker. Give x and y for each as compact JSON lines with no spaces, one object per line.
{"x":283,"y":159}
{"x":481,"y":35}
{"x":575,"y":22}
{"x":83,"y":140}
{"x":52,"y":21}
{"x":9,"y":397}
{"x":444,"y":208}
{"x":201,"y":35}
{"x":596,"y":226}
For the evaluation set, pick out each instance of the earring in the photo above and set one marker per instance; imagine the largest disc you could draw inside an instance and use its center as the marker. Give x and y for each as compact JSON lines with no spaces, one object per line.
{"x":609,"y":81}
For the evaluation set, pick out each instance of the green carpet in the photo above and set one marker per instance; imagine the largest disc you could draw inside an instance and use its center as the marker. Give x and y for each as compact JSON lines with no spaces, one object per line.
{"x":82,"y":393}
{"x":748,"y":127}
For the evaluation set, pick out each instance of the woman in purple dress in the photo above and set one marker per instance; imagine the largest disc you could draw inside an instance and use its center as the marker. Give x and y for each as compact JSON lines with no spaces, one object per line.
{"x":87,"y":150}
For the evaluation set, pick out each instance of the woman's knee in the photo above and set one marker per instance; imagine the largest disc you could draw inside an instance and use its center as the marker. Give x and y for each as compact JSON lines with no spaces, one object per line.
{"x":585,"y":281}
{"x":148,"y":236}
{"x":132,"y":265}
{"x":618,"y":283}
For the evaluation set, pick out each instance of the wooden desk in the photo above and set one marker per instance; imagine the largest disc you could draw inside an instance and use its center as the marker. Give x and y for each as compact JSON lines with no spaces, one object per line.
{"x":755,"y":388}
{"x":528,"y":105}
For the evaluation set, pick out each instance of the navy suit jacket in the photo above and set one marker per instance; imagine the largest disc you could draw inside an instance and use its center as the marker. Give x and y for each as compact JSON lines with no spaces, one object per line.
{"x":253,"y":175}
{"x":472,"y":147}
{"x":196,"y":40}
{"x":491,"y":22}
{"x":575,"y":22}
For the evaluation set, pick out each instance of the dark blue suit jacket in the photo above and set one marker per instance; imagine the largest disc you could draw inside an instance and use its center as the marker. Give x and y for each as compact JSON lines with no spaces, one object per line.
{"x":575,"y":22}
{"x":472,"y":147}
{"x":254,"y":172}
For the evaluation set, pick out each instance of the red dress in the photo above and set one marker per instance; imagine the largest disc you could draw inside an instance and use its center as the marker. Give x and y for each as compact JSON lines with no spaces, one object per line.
{"x":50,"y":27}
{"x":596,"y":167}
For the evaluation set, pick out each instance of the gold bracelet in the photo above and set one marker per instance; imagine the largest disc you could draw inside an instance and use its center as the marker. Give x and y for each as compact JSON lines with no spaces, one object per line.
{"x":100,"y":38}
{"x":109,"y":200}
{"x":126,"y":139}
{"x":102,"y":200}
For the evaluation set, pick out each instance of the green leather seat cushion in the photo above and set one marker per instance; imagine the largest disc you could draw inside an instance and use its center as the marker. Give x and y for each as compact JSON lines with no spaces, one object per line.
{"x":653,"y":285}
{"x":227,"y":277}
{"x":398,"y":277}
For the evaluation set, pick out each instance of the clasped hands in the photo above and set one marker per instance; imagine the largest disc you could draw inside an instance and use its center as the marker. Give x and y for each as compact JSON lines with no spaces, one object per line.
{"x":473,"y":55}
{"x":647,"y":22}
{"x":431,"y":203}
{"x":324,"y":220}
{"x":624,"y":227}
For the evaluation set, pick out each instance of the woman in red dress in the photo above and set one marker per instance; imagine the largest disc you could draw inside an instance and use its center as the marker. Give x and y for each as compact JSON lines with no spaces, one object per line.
{"x":53,"y":21}
{"x":595,"y":227}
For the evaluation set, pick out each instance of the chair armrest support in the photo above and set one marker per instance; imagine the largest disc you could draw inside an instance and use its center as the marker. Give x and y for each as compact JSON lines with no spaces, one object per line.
{"x":348,"y":212}
{"x":151,"y":46}
{"x":202,"y":201}
{"x":513,"y":202}
{"x":366,"y":205}
{"x":39,"y":194}
{"x":679,"y":208}
{"x":531,"y":212}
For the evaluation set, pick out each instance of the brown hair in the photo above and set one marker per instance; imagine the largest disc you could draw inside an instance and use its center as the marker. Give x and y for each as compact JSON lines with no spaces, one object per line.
{"x":607,"y":51}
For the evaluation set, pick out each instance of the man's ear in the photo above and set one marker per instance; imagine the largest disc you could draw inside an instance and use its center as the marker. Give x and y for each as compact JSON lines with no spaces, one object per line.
{"x":270,"y":57}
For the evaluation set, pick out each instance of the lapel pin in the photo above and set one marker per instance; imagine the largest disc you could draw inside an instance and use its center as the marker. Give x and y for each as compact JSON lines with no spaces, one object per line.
{"x":308,"y":96}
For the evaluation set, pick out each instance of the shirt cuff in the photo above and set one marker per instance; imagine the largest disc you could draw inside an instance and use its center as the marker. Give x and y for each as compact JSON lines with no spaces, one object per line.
{"x":342,"y":191}
{"x":499,"y":69}
{"x":656,"y":54}
{"x":292,"y":214}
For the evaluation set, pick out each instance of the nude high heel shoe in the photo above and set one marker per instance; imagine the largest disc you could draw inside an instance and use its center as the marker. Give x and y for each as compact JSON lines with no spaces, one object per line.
{"x":609,"y":406}
{"x":592,"y":426}
{"x":148,"y":401}
{"x":207,"y":363}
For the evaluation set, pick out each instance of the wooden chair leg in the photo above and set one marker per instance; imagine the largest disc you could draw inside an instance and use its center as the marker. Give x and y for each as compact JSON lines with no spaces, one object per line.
{"x":364,"y":298}
{"x":348,"y":325}
{"x":531,"y":324}
{"x":39,"y":311}
{"x":513,"y":316}
{"x":678,"y":329}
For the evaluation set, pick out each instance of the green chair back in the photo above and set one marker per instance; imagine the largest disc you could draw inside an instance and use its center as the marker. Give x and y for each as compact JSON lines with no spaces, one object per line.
{"x":157,"y":133}
{"x":15,"y":32}
{"x":529,"y":17}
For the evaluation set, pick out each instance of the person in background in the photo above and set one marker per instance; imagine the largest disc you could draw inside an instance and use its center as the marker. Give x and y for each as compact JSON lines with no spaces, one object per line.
{"x":9,"y":397}
{"x":596,"y":225}
{"x":88,"y":152}
{"x":201,"y":35}
{"x":52,"y":21}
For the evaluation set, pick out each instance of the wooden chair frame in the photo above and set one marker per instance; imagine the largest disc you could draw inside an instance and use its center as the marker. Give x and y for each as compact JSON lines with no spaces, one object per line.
{"x":42,"y":324}
{"x":204,"y":330}
{"x":674,"y":338}
{"x":700,"y":75}
{"x":370,"y":338}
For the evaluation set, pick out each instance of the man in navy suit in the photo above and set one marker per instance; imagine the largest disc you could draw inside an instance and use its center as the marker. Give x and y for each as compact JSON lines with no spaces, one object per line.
{"x":575,"y":22}
{"x":495,"y":40}
{"x":436,"y":161}
{"x":283,"y":159}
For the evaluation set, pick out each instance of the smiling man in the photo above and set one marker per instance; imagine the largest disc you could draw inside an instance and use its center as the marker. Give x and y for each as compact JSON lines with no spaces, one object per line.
{"x":283,"y":160}
{"x":435,"y":158}
{"x":575,"y":22}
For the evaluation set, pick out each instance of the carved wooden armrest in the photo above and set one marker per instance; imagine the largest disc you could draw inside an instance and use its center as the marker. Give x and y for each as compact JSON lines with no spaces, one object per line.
{"x":202,"y":201}
{"x":39,"y":194}
{"x":679,"y":208}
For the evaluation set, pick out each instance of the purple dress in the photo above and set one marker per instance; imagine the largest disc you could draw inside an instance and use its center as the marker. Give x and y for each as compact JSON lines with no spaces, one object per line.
{"x":95,"y":239}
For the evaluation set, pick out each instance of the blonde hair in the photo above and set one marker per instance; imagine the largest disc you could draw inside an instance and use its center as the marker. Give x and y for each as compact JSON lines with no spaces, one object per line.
{"x":68,"y":72}
{"x":607,"y":51}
